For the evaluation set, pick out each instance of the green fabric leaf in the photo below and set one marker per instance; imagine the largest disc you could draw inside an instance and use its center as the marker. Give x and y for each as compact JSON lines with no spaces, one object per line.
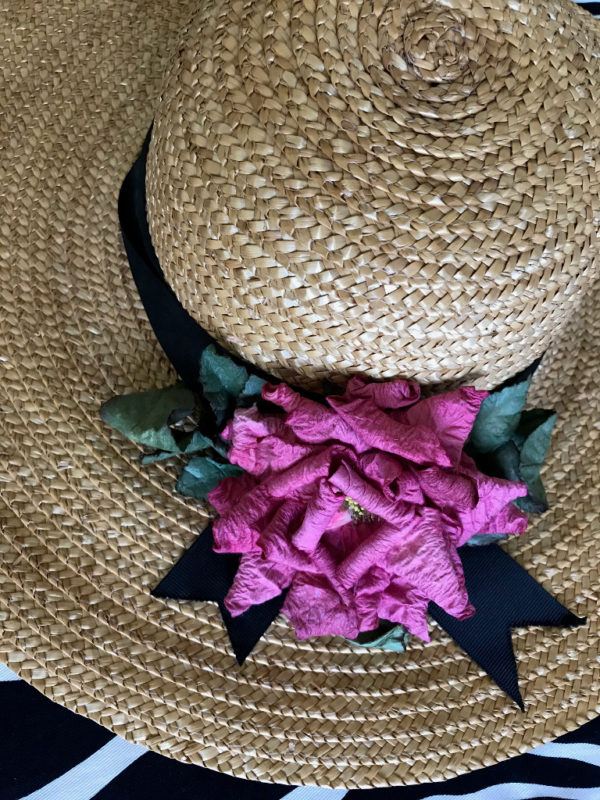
{"x":498,"y":417}
{"x":536,"y":429}
{"x":202,"y":475}
{"x":197,"y":442}
{"x":485,"y":538}
{"x":252,"y":390}
{"x":144,"y":417}
{"x":388,"y":636}
{"x":504,"y":462}
{"x":222,"y":381}
{"x":157,"y":455}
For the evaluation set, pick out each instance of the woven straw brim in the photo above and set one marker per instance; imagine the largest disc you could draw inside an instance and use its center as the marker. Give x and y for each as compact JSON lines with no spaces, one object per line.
{"x":86,"y":532}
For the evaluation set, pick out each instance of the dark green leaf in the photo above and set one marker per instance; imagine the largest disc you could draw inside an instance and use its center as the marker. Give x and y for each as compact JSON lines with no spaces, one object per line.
{"x":503,"y":462}
{"x":202,"y":475}
{"x":144,"y":417}
{"x":157,"y":455}
{"x":498,"y":417}
{"x":194,"y":443}
{"x":222,"y":381}
{"x":252,"y":390}
{"x":536,"y":430}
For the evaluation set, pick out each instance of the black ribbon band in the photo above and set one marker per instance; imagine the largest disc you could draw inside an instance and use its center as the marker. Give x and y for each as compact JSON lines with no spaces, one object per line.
{"x":503,"y":593}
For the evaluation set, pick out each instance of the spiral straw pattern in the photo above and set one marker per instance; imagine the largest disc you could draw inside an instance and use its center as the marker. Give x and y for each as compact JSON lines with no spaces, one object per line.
{"x":396,"y":187}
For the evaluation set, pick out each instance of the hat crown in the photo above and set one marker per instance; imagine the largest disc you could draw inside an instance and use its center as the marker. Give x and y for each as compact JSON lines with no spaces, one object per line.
{"x":395,"y":188}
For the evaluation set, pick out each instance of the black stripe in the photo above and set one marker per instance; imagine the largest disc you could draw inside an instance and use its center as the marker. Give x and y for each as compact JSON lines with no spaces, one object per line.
{"x":40,"y":740}
{"x":593,"y":8}
{"x":155,"y":777}
{"x":564,"y":772}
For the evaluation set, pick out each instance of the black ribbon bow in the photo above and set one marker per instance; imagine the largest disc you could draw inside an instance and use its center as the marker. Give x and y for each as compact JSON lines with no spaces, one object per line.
{"x":504,"y":594}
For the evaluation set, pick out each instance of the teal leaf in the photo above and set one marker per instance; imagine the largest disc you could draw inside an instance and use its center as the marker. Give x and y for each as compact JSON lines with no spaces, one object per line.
{"x":157,"y":455}
{"x":388,"y":636}
{"x":222,"y":381}
{"x":504,"y":462}
{"x":498,"y":417}
{"x":144,"y":417}
{"x":202,"y":475}
{"x":536,"y":430}
{"x":196,"y":442}
{"x":252,"y":390}
{"x":485,"y":538}
{"x":191,"y":443}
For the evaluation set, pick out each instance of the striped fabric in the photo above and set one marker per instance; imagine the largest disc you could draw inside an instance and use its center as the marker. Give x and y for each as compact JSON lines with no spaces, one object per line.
{"x":49,"y":753}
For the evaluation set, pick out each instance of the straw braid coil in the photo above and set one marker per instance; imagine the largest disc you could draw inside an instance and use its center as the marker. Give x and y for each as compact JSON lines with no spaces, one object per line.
{"x":398,"y":187}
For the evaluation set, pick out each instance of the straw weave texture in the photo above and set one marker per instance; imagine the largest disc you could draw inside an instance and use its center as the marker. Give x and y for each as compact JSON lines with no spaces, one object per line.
{"x":85,"y":531}
{"x":397,"y":187}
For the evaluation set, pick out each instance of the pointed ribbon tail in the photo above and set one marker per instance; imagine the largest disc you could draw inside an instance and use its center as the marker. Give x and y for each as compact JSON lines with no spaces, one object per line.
{"x":505,"y":596}
{"x":202,"y":574}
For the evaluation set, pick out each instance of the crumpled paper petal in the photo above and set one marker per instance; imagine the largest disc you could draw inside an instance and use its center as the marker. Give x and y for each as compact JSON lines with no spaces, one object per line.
{"x":255,"y":582}
{"x":450,"y":416}
{"x":360,"y":505}
{"x":262,"y":442}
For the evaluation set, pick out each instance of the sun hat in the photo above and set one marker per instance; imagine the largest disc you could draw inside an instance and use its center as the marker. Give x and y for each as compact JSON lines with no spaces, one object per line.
{"x":401,"y":189}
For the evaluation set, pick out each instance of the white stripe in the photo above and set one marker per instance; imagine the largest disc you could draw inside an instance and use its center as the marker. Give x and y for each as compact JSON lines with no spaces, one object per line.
{"x":7,"y":674}
{"x":522,"y":791}
{"x":314,"y":793}
{"x":89,"y":776}
{"x":579,"y":751}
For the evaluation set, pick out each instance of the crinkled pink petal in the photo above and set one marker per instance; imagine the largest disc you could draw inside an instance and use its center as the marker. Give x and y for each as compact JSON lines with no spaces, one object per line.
{"x":388,"y":451}
{"x":260,"y":443}
{"x":448,"y":489}
{"x":367,"y":596}
{"x":311,"y":421}
{"x":375,"y":549}
{"x":494,"y":494}
{"x":510,"y":520}
{"x":457,"y":604}
{"x":255,"y":582}
{"x":340,"y":518}
{"x":278,"y":547}
{"x":402,"y":604}
{"x":391,"y":475}
{"x":295,"y":479}
{"x":239,"y":529}
{"x":229,"y":491}
{"x":424,"y":558}
{"x":387,"y":394}
{"x":315,"y":608}
{"x":350,"y":484}
{"x":340,"y":542}
{"x":321,"y":514}
{"x":450,"y":415}
{"x":378,"y":430}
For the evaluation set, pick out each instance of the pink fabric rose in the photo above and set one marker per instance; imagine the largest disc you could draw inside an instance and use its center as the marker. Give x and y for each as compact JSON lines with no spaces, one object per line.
{"x":357,"y":507}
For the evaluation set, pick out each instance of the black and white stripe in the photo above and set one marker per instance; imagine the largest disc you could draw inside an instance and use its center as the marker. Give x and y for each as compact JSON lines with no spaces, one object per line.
{"x":49,"y":753}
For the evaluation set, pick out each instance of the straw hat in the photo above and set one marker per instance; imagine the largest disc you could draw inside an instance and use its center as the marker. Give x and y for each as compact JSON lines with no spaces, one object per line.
{"x":402,"y":188}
